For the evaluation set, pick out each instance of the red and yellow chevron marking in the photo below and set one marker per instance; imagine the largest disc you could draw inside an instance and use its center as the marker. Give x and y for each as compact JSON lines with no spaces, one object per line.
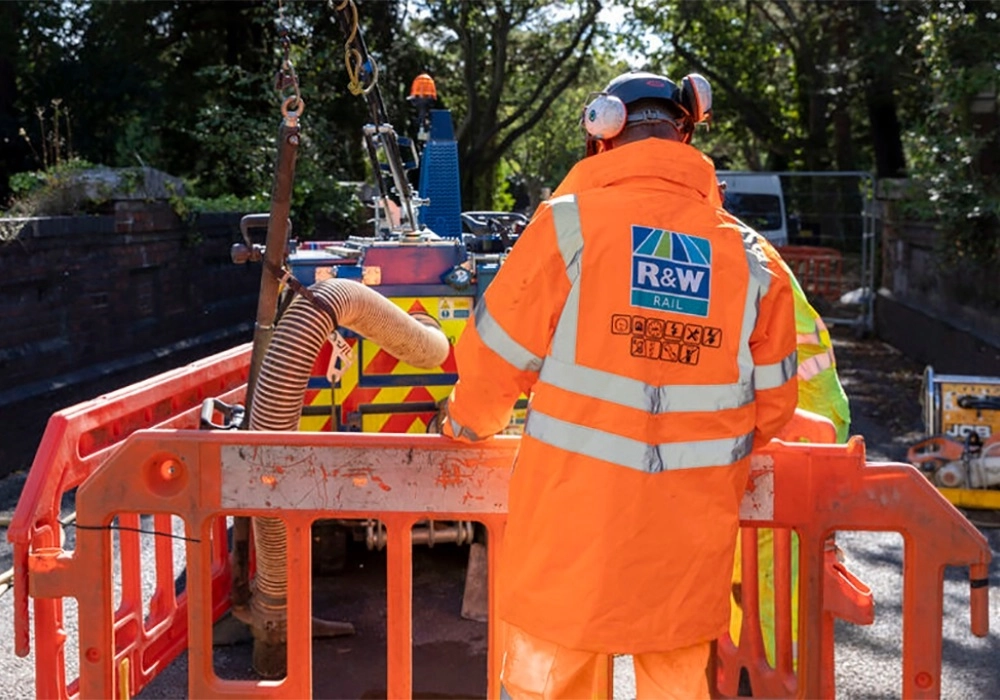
{"x":376,"y":361}
{"x":403,"y":422}
{"x":316,"y":423}
{"x":319,"y":398}
{"x":452,"y":313}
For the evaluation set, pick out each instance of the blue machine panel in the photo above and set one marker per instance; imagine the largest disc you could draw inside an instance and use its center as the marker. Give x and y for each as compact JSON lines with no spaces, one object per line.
{"x":439,"y":180}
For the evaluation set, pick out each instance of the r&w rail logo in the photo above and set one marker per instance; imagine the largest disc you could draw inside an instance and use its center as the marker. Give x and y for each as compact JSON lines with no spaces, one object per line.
{"x":670,"y":271}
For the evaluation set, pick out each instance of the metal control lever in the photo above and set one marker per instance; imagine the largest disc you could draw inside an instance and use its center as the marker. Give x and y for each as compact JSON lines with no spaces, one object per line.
{"x":232,"y":415}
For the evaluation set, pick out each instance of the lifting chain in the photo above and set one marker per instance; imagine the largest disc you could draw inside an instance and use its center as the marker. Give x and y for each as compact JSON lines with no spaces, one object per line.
{"x":353,"y":59}
{"x":379,"y":133}
{"x":291,"y":106}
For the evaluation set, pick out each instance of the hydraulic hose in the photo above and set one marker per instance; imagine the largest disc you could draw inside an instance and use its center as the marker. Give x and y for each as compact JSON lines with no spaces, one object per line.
{"x":279,"y":394}
{"x":303,"y":330}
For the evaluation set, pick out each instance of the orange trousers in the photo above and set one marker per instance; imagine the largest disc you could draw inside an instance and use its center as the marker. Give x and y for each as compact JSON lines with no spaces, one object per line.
{"x":534,"y":669}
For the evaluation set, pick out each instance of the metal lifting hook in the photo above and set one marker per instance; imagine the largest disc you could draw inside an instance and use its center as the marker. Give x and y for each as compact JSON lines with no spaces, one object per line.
{"x":291,"y":116}
{"x":286,"y":76}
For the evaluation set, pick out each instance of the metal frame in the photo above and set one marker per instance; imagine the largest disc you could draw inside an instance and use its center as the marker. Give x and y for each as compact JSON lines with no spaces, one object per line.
{"x":866,"y":319}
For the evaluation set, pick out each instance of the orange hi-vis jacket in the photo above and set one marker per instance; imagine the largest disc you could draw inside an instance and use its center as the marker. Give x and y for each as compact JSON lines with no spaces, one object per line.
{"x":656,"y":340}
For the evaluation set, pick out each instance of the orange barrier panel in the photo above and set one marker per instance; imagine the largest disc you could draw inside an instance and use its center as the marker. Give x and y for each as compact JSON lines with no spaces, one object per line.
{"x":200,"y":476}
{"x":77,"y":440}
{"x":845,"y":597}
{"x":817,"y":490}
{"x":401,"y":479}
{"x":819,"y":270}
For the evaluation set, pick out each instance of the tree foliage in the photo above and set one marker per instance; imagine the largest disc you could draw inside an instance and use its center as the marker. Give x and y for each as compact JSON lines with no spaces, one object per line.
{"x":509,"y":61}
{"x":954,"y":145}
{"x":188,"y":87}
{"x":899,"y":87}
{"x":790,"y":76}
{"x":881,"y":85}
{"x":540,"y":158}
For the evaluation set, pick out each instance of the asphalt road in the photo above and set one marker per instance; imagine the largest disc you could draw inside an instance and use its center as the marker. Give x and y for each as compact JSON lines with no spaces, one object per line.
{"x":449,"y":653}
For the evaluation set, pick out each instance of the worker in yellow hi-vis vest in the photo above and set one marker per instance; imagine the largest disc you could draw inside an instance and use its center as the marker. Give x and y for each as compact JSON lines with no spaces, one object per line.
{"x":819,"y":386}
{"x":820,"y":392}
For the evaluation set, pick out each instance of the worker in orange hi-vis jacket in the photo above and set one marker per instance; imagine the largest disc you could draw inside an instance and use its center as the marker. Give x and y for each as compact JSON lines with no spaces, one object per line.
{"x":656,"y":340}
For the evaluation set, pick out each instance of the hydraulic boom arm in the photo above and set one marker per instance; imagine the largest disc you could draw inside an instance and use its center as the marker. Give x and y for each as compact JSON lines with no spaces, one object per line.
{"x":363,"y":72}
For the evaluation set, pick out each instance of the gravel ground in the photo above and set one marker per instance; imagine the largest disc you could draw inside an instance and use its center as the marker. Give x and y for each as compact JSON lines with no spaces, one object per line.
{"x":883,"y":387}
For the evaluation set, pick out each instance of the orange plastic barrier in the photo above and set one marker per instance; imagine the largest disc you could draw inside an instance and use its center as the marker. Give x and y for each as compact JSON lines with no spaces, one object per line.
{"x":819,"y":270}
{"x":817,"y":490}
{"x":77,"y":440}
{"x":845,"y":596}
{"x":201,"y":476}
{"x":806,"y":426}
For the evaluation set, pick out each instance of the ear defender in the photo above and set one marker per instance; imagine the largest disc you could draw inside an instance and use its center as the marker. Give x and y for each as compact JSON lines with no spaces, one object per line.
{"x":696,"y":96}
{"x":604,"y":117}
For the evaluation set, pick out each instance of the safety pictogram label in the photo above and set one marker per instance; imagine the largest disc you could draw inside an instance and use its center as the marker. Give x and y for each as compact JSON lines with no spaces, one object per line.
{"x":454,"y":308}
{"x":670,"y":341}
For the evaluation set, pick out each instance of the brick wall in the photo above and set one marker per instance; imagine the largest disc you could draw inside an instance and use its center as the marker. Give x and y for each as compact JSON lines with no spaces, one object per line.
{"x":80,"y":291}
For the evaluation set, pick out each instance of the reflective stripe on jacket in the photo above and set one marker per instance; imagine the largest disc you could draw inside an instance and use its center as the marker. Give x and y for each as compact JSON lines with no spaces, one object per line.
{"x":811,"y":366}
{"x":820,"y":390}
{"x":655,"y":337}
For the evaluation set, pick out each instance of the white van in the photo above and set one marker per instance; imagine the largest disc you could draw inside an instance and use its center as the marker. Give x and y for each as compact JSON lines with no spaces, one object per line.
{"x":757,"y":200}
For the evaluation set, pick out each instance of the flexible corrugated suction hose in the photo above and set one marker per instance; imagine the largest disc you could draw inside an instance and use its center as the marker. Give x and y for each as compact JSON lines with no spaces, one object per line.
{"x":277,"y":405}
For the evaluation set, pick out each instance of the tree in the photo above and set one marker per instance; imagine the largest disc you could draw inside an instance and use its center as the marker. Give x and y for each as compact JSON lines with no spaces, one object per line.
{"x":809,"y":85}
{"x":541,"y":157}
{"x":695,"y":37}
{"x":767,"y":61}
{"x":952,"y":145}
{"x":515,"y":58}
{"x":12,"y":148}
{"x":188,"y":87}
{"x":37,"y":55}
{"x":885,"y":30}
